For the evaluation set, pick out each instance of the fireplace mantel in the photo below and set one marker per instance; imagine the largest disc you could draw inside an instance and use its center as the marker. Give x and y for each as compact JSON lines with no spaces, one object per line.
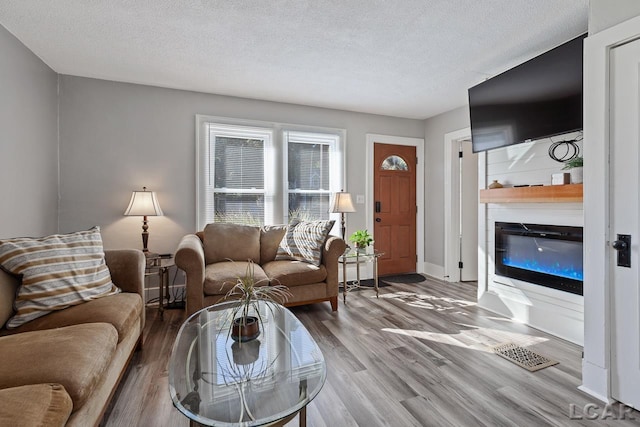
{"x":541,"y":194}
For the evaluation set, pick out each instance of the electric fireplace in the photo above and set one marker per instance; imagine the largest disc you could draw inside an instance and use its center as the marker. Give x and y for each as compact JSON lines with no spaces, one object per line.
{"x":546,"y":255}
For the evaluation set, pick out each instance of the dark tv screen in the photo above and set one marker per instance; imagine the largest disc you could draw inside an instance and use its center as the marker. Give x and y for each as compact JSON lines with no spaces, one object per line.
{"x":539,"y":98}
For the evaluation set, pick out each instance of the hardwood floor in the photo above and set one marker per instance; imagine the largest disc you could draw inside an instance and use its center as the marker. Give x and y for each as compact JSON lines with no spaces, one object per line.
{"x":417,"y":356}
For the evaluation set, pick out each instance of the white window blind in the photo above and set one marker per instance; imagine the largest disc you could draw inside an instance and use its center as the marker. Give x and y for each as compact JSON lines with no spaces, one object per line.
{"x":239,"y":163}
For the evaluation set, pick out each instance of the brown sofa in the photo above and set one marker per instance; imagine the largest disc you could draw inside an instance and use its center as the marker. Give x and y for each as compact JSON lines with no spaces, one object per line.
{"x":215,"y":258}
{"x":63,"y":368}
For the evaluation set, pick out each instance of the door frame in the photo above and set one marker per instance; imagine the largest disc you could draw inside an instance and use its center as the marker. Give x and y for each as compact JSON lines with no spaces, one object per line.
{"x":596,"y":366}
{"x":451,"y":223}
{"x":399,"y":140}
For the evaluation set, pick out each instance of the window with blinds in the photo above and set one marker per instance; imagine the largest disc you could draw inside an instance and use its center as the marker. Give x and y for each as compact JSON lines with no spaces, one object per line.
{"x":238,"y":177}
{"x":309,"y":174}
{"x":235,"y":174}
{"x":265,"y":174}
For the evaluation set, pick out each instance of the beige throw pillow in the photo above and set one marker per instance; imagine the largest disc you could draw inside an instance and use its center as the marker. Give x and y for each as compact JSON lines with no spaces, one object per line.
{"x":236,"y":242}
{"x":304,"y":241}
{"x":270,"y":238}
{"x":57,"y":272}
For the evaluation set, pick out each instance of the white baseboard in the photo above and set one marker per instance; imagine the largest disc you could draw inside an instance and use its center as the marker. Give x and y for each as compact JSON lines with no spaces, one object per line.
{"x":595,"y":381}
{"x":433,"y":270}
{"x":592,"y":393}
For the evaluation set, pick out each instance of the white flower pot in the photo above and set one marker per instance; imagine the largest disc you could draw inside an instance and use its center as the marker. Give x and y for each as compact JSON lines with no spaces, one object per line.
{"x":576,"y":175}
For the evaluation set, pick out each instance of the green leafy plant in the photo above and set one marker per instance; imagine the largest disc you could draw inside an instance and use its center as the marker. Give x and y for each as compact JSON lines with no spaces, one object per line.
{"x":575,"y":162}
{"x":249,"y":291}
{"x":361,"y":239}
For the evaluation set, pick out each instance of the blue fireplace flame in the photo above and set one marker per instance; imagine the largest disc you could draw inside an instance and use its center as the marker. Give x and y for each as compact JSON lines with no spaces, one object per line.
{"x":559,"y":258}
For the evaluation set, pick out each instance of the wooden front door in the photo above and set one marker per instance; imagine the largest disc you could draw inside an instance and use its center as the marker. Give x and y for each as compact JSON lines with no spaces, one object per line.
{"x":394,"y":192}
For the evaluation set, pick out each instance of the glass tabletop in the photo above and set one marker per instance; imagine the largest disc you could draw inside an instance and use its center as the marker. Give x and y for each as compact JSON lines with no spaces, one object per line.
{"x":216,"y":381}
{"x":352,"y":255}
{"x":156,"y":262}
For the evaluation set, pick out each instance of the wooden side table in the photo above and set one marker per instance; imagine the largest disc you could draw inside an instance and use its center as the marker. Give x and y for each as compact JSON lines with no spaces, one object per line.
{"x":357,"y":257}
{"x":160,"y":266}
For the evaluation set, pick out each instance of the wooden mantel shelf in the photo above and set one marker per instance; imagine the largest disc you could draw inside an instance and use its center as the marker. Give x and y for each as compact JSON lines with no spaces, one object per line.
{"x":542,"y":194}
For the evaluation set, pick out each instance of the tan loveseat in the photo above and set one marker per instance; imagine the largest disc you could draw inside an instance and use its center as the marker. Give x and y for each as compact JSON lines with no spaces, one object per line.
{"x":63,"y":368}
{"x":214,"y":258}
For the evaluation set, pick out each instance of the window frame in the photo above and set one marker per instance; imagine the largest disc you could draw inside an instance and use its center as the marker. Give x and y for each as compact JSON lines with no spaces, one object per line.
{"x":276,"y":192}
{"x":336,"y":166}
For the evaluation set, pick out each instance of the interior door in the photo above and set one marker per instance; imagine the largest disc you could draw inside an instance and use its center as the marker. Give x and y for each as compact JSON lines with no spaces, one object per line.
{"x":624,"y":219}
{"x":468,"y":213}
{"x":394,"y":191}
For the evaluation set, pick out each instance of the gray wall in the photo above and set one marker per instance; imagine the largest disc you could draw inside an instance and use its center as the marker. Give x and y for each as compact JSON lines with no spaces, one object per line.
{"x":28,"y":142}
{"x":607,"y":13}
{"x":117,"y":137}
{"x":434,"y":130}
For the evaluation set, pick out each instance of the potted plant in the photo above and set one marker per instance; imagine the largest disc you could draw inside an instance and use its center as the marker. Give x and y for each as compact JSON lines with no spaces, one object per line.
{"x":246,"y":327}
{"x":574,"y":166}
{"x":361,"y":239}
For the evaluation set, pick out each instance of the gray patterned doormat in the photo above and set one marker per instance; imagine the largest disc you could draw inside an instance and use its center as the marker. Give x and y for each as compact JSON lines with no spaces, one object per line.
{"x":523,"y":357}
{"x":383,"y":281}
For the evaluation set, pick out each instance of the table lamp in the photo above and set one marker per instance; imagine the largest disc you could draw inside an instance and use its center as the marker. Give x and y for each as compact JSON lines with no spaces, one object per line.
{"x":342,"y":203}
{"x":144,"y":203}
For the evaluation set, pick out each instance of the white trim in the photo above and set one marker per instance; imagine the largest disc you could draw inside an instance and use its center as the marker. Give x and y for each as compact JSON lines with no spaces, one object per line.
{"x":399,"y":140}
{"x":483,"y":256}
{"x":599,"y":378}
{"x":596,"y":395}
{"x":434,"y":270}
{"x":451,"y":222}
{"x":597,"y":339}
{"x":200,"y":134}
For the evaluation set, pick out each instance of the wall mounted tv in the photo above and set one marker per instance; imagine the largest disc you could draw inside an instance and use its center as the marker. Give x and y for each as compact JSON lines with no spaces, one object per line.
{"x":539,"y":98}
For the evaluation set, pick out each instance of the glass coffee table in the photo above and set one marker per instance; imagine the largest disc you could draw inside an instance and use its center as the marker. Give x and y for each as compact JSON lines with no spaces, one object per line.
{"x":215,"y":381}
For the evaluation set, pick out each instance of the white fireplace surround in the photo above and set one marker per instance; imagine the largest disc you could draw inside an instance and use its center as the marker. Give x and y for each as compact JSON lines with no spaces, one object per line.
{"x":557,"y":312}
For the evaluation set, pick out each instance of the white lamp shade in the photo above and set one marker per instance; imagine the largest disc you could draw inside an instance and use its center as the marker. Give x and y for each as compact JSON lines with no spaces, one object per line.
{"x":143,"y":203}
{"x":341,"y":203}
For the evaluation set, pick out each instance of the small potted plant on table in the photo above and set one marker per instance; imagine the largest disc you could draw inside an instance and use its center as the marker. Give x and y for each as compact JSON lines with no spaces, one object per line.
{"x":361,"y":239}
{"x":250,"y":292}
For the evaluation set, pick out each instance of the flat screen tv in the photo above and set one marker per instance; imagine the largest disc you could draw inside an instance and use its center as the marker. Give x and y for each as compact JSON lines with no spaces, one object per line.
{"x":539,"y":98}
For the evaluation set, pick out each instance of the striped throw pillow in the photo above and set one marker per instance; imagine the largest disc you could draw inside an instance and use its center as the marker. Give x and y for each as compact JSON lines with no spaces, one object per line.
{"x":304,"y":241}
{"x":57,"y":272}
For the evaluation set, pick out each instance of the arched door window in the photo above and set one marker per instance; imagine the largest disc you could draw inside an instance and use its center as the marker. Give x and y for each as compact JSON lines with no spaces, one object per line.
{"x":394,"y":163}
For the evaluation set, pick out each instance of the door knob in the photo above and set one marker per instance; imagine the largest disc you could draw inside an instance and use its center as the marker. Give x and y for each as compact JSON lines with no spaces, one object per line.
{"x":378,"y":220}
{"x":623,"y":245}
{"x":619,"y":245}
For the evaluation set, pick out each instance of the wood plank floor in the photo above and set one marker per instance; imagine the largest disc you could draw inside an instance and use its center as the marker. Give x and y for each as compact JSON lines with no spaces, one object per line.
{"x":417,"y":356}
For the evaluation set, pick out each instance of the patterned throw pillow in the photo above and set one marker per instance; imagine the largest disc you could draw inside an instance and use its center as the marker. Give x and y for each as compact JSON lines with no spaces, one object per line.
{"x":57,"y":272}
{"x":304,"y":241}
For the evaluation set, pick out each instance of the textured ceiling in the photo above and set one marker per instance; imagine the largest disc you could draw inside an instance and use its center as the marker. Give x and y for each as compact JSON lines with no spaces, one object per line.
{"x":406,"y":58}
